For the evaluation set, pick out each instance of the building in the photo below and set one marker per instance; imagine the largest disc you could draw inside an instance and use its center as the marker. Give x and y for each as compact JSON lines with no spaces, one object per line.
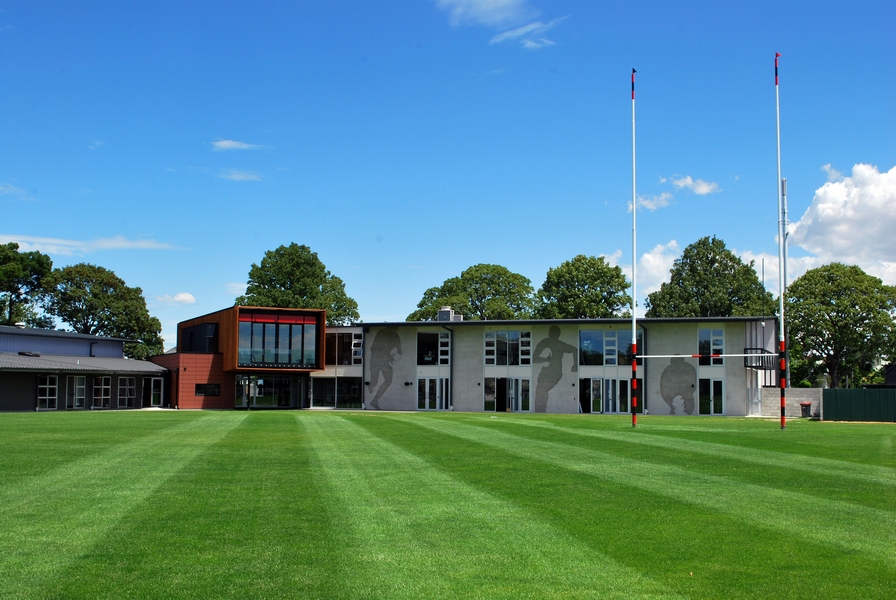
{"x":246,"y":357}
{"x":43,"y":369}
{"x":694,"y":366}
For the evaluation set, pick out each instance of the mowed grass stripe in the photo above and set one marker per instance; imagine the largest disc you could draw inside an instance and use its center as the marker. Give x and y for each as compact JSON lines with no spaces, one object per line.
{"x":420,"y":533}
{"x":841,"y":524}
{"x":53,"y":518}
{"x":878,"y":475}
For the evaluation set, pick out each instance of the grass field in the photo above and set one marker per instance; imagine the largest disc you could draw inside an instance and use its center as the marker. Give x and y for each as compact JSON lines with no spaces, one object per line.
{"x":307,"y":504}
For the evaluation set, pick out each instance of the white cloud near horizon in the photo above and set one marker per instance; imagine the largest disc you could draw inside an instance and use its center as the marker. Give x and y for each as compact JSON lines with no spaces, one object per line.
{"x":851,"y":220}
{"x":77,"y":247}
{"x":225,"y":145}
{"x":179,"y":298}
{"x":237,"y":289}
{"x":236,"y":175}
{"x":699,"y":187}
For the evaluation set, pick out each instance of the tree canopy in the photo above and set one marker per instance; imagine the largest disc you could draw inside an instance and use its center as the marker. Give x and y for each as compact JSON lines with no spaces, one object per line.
{"x":21,"y":279}
{"x":840,"y":321}
{"x":710,"y":281}
{"x":482,"y":293}
{"x":583,"y":288}
{"x":95,"y":301}
{"x":294,"y":277}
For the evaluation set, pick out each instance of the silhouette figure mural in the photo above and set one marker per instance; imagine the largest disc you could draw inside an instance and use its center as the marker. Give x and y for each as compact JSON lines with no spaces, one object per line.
{"x":679,"y":380}
{"x":384,"y":352}
{"x":550,"y":351}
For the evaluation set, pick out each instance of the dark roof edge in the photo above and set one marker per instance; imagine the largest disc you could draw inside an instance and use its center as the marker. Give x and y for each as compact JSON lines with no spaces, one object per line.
{"x":614,"y":321}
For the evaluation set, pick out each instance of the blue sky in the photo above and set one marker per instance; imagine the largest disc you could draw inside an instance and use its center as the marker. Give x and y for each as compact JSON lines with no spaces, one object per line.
{"x":404,"y":141}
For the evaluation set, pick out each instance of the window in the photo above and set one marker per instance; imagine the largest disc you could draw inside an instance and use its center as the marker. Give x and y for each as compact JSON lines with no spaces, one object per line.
{"x":102,"y":392}
{"x":427,"y":348}
{"x":343,"y":349}
{"x":208,"y":389}
{"x":508,"y":348}
{"x":277,"y":344}
{"x":710,"y":341}
{"x":127,"y":392}
{"x":591,"y":348}
{"x":46,"y":391}
{"x":610,"y":356}
{"x":624,"y":348}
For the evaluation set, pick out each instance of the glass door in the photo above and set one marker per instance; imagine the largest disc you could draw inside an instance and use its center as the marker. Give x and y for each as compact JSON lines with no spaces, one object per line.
{"x":75,"y":391}
{"x":712,"y":397}
{"x":433,"y":393}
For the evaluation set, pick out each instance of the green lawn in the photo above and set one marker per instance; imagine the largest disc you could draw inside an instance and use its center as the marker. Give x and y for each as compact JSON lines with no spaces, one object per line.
{"x":311,"y":504}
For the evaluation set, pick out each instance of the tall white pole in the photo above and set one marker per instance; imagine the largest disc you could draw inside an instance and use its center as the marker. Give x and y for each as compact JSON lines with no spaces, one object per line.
{"x":634,"y":271}
{"x":782,"y":343}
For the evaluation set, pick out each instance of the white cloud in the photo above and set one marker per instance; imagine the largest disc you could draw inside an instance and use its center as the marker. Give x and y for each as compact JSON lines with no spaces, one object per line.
{"x":235,"y":175}
{"x":236,"y":289}
{"x":492,"y":13}
{"x":652,"y":203}
{"x":14,"y":193}
{"x":72,"y":247}
{"x":699,"y":187}
{"x":852,"y":221}
{"x":529,"y":36}
{"x":94,"y":144}
{"x":833,"y":174}
{"x":180,"y":298}
{"x":654,"y":267}
{"x":223,"y":145}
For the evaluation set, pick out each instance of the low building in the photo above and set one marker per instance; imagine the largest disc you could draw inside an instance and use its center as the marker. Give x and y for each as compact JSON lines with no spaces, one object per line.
{"x":43,"y":369}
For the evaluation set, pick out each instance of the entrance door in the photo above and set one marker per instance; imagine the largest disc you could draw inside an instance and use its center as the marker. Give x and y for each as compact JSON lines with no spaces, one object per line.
{"x":505,"y":394}
{"x":590,"y":395}
{"x":712,"y":397}
{"x":152,"y":391}
{"x":75,"y":391}
{"x":433,"y":393}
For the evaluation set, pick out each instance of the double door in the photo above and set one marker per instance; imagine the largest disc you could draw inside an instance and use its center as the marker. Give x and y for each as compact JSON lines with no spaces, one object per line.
{"x":608,"y":395}
{"x":433,"y":393}
{"x":507,"y":394}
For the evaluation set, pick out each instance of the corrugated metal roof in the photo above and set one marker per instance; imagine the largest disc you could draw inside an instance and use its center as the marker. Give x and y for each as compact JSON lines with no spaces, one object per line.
{"x":94,"y":364}
{"x":10,"y":330}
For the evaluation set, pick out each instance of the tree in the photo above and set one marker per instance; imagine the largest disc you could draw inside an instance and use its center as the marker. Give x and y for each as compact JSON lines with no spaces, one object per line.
{"x":710,"y":281}
{"x":840,"y":321}
{"x":481,"y":293}
{"x":95,"y":301}
{"x":294,"y":277}
{"x":21,"y":278}
{"x":583,"y":288}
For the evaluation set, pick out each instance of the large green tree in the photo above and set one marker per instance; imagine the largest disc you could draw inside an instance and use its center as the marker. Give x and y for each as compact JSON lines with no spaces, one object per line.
{"x":711,"y":281}
{"x":21,"y":279}
{"x":481,"y":293}
{"x":583,"y":288}
{"x":294,"y":277}
{"x":94,"y":300}
{"x":840,"y":321}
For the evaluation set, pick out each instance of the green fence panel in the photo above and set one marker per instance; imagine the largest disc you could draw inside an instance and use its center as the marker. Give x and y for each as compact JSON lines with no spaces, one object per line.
{"x":878,"y":405}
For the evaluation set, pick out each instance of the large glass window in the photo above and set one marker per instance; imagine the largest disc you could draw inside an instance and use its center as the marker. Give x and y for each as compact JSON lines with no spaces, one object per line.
{"x":427,"y":348}
{"x":277,"y":344}
{"x":508,"y":348}
{"x":47,"y":388}
{"x":343,"y":349}
{"x":127,"y":392}
{"x":591,"y":348}
{"x":711,"y":341}
{"x":333,"y":392}
{"x":624,"y":347}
